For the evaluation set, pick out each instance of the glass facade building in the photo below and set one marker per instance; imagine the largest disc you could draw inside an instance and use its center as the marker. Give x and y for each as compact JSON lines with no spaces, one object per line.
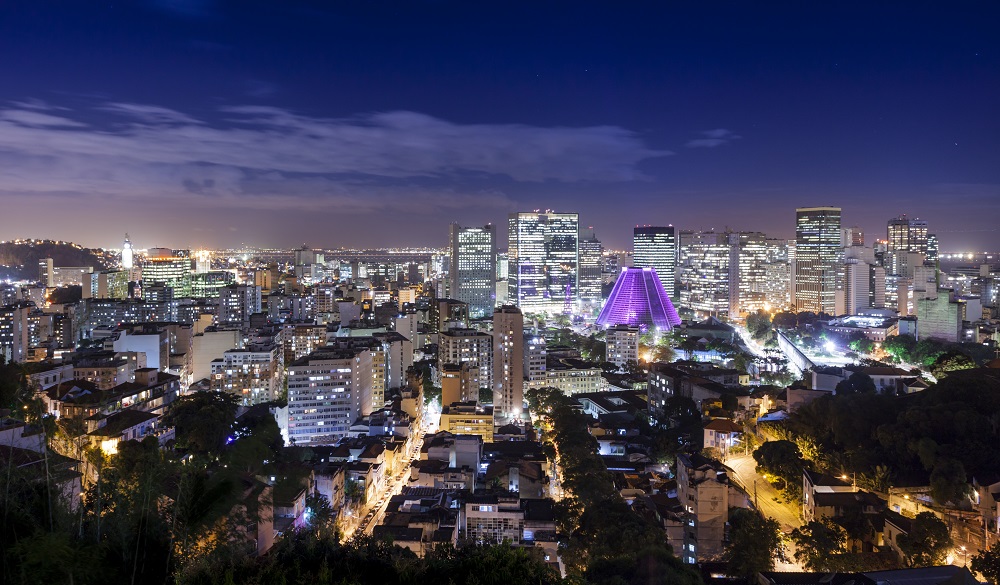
{"x":544,"y":260}
{"x":819,"y":263}
{"x":473,"y":268}
{"x":656,"y":247}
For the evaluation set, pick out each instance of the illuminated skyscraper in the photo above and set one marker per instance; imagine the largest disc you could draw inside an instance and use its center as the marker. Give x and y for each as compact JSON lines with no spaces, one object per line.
{"x":656,"y":247}
{"x":473,"y":268}
{"x":165,"y":267}
{"x":818,"y":259}
{"x":544,"y":260}
{"x":591,"y":264}
{"x":907,"y":235}
{"x":703,"y":278}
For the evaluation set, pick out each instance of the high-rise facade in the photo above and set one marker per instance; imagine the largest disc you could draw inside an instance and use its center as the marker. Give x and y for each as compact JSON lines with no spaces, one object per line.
{"x":591,"y":265}
{"x":473,"y":268}
{"x":656,"y":247}
{"x":327,"y":391}
{"x":748,"y":258}
{"x":818,"y":259}
{"x":544,"y":260}
{"x":166,"y":267}
{"x":703,"y":272}
{"x":906,"y":234}
{"x":237,"y":302}
{"x":508,"y":362}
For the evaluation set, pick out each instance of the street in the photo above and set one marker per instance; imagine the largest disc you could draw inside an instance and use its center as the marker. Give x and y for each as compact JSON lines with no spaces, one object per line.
{"x":770,"y":502}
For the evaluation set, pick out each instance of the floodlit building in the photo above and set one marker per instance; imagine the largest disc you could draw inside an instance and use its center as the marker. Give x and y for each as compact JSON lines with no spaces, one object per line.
{"x":703,"y":267}
{"x":543,"y":251}
{"x":656,"y":247}
{"x":473,"y":268}
{"x":818,"y":259}
{"x":165,"y":267}
{"x":591,"y":264}
{"x":638,"y":299}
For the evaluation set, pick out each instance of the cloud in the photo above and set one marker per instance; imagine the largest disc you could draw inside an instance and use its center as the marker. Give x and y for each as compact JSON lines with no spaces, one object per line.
{"x":273,"y":158}
{"x":150,"y":114}
{"x":713,"y":138}
{"x":33,"y":119}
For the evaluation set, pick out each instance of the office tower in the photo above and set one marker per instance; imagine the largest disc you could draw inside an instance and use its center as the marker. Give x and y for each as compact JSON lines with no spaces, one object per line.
{"x":207,"y":285}
{"x":933,"y":247}
{"x":591,"y":264}
{"x":656,"y":247}
{"x":818,"y":259}
{"x":237,"y":302}
{"x":508,"y":362}
{"x":748,"y":284}
{"x":777,"y":275}
{"x":544,"y":260}
{"x":327,"y":391}
{"x":164,"y":266}
{"x":127,"y":254}
{"x":638,"y":299}
{"x":853,"y":236}
{"x":857,"y":285}
{"x":907,"y":235}
{"x":703,"y":272}
{"x":202,"y":262}
{"x":473,"y":268}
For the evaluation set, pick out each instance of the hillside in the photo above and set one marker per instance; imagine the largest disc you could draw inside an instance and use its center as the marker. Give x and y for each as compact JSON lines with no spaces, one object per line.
{"x":19,"y":258}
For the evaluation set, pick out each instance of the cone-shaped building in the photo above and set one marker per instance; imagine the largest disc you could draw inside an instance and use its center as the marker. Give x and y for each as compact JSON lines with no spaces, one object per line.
{"x":638,"y":299}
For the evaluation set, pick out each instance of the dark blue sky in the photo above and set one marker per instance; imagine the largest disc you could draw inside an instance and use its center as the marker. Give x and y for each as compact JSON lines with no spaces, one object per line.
{"x":210,"y":123}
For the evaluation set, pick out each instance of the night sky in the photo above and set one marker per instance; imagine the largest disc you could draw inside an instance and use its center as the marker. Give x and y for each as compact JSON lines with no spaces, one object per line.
{"x":196,"y":123}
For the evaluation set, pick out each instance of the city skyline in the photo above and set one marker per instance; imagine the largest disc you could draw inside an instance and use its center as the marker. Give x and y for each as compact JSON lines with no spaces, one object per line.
{"x":198,"y":124}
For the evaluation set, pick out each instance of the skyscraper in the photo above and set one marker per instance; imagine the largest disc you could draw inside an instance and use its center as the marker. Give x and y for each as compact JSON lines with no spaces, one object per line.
{"x":164,"y":266}
{"x":544,"y":260}
{"x":907,"y":235}
{"x":508,"y":362}
{"x":591,"y":264}
{"x":703,"y":279}
{"x":818,"y":259}
{"x":473,"y":268}
{"x":656,"y":247}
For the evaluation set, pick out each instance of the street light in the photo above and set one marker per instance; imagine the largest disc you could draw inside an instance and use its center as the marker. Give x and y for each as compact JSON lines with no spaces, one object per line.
{"x":965,"y":556}
{"x":854,"y":479}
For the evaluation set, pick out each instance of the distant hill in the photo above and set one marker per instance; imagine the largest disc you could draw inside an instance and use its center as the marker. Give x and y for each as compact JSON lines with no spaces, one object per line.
{"x":19,"y":258}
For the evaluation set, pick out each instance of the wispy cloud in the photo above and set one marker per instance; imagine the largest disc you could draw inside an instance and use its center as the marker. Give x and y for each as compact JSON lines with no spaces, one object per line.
{"x":272,"y":157}
{"x":713,"y":138}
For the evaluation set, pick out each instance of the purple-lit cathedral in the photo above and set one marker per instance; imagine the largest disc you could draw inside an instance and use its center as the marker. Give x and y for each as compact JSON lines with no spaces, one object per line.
{"x":638,"y":299}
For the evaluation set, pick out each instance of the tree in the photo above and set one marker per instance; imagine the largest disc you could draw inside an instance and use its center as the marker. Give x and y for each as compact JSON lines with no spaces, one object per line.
{"x":900,"y":347}
{"x":950,"y":362}
{"x":784,"y":320}
{"x":927,"y":543}
{"x":759,"y":324}
{"x":780,"y":458}
{"x":856,"y":383}
{"x":753,"y":542}
{"x":948,"y":481}
{"x":817,"y":542}
{"x":203,"y":420}
{"x":987,"y":564}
